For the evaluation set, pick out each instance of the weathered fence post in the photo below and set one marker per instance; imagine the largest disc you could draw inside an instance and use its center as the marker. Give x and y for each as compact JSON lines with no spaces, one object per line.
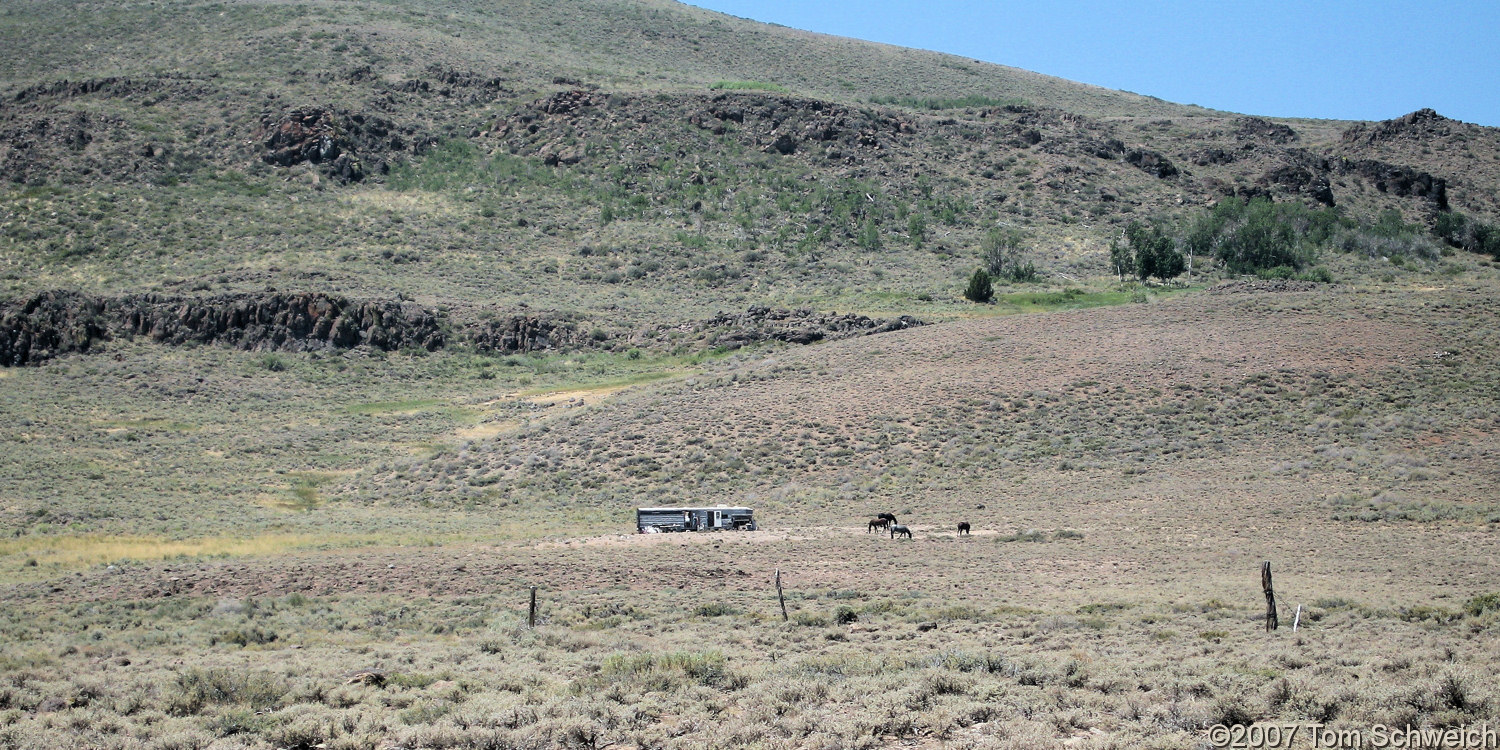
{"x":1265,"y":584}
{"x":779,"y":596}
{"x":531,"y":615}
{"x":1298,"y":619}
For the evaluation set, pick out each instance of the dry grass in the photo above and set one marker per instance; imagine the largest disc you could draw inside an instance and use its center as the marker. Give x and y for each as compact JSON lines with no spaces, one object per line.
{"x":64,"y":552}
{"x":1135,"y":465}
{"x":207,"y":552}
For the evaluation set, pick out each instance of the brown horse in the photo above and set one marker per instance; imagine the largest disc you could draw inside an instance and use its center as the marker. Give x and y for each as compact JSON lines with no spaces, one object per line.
{"x":963,"y":527}
{"x":878,"y":523}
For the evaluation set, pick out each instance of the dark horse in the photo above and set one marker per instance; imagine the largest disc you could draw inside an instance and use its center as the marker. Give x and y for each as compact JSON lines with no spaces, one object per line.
{"x":878,"y":523}
{"x":886,"y":516}
{"x":897,"y":528}
{"x":963,"y":527}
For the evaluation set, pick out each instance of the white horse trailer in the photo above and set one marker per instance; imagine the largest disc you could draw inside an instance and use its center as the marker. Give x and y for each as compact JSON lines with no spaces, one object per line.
{"x":716,"y":518}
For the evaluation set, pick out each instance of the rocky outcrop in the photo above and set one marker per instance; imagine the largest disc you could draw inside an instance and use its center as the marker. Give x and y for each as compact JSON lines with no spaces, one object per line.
{"x":1421,"y":125}
{"x":1151,"y":163}
{"x":758,"y":324}
{"x":522,"y":333}
{"x":278,"y":321}
{"x":53,"y":323}
{"x":1301,"y":180}
{"x":302,"y":135}
{"x":462,"y":86}
{"x":49,"y":324}
{"x":1108,"y":148}
{"x":310,"y":135}
{"x":54,"y":128}
{"x":60,"y":322}
{"x":1211,"y":156}
{"x":569,"y":102}
{"x":1256,"y":129}
{"x":348,"y":145}
{"x":557,"y":128}
{"x":1399,"y":181}
{"x":67,"y":89}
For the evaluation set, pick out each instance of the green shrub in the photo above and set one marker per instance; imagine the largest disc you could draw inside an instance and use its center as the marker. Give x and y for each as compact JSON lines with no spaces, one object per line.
{"x":916,"y":228}
{"x":252,"y":636}
{"x":715,"y":609}
{"x":809,"y":619}
{"x":1482,"y":604}
{"x":1028,"y":535}
{"x":708,"y":668}
{"x":980,"y":289}
{"x":869,"y":235}
{"x":1426,"y":613}
{"x":196,"y":689}
{"x":1320,"y":274}
{"x":1467,"y":233}
{"x":1259,"y":237}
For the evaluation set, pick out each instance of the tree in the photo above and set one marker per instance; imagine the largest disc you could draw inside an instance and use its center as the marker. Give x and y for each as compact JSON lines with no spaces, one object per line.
{"x":916,"y":226}
{"x":1000,"y":249}
{"x":1260,"y":239}
{"x":980,"y":289}
{"x":1121,"y":259}
{"x":1002,"y":255}
{"x":869,"y":235}
{"x":1156,"y":253}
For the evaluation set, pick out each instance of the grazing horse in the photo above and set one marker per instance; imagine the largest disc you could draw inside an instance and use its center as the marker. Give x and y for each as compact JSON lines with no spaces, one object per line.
{"x":897,"y":528}
{"x":886,"y":516}
{"x":963,"y":527}
{"x":878,"y":523}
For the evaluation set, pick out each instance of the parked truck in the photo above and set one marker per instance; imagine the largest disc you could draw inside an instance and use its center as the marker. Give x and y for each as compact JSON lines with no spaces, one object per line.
{"x":716,"y":518}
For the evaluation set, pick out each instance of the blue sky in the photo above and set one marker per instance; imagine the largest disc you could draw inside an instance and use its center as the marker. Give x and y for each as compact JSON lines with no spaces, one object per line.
{"x":1369,"y":60}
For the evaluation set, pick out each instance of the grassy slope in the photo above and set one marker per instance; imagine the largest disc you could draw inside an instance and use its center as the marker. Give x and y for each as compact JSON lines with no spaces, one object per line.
{"x":652,"y":45}
{"x":170,"y":194}
{"x":1135,"y":463}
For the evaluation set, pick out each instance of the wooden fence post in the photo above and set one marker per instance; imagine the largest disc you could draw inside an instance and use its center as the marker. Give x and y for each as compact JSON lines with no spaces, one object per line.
{"x":531,"y":615}
{"x":1265,"y":584}
{"x":779,"y":596}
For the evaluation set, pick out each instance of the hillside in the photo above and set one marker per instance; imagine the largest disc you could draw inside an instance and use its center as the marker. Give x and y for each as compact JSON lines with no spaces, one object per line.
{"x":332,"y":335}
{"x":576,"y":158}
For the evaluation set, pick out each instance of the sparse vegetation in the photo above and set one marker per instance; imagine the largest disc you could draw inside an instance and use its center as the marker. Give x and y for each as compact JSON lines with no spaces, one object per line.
{"x":935,"y":103}
{"x":747,"y":86}
{"x":270,"y":548}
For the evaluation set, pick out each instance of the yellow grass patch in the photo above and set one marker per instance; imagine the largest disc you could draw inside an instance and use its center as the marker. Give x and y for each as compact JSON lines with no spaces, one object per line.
{"x":593,"y":394}
{"x":85,"y":550}
{"x":584,"y":396}
{"x":358,"y":204}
